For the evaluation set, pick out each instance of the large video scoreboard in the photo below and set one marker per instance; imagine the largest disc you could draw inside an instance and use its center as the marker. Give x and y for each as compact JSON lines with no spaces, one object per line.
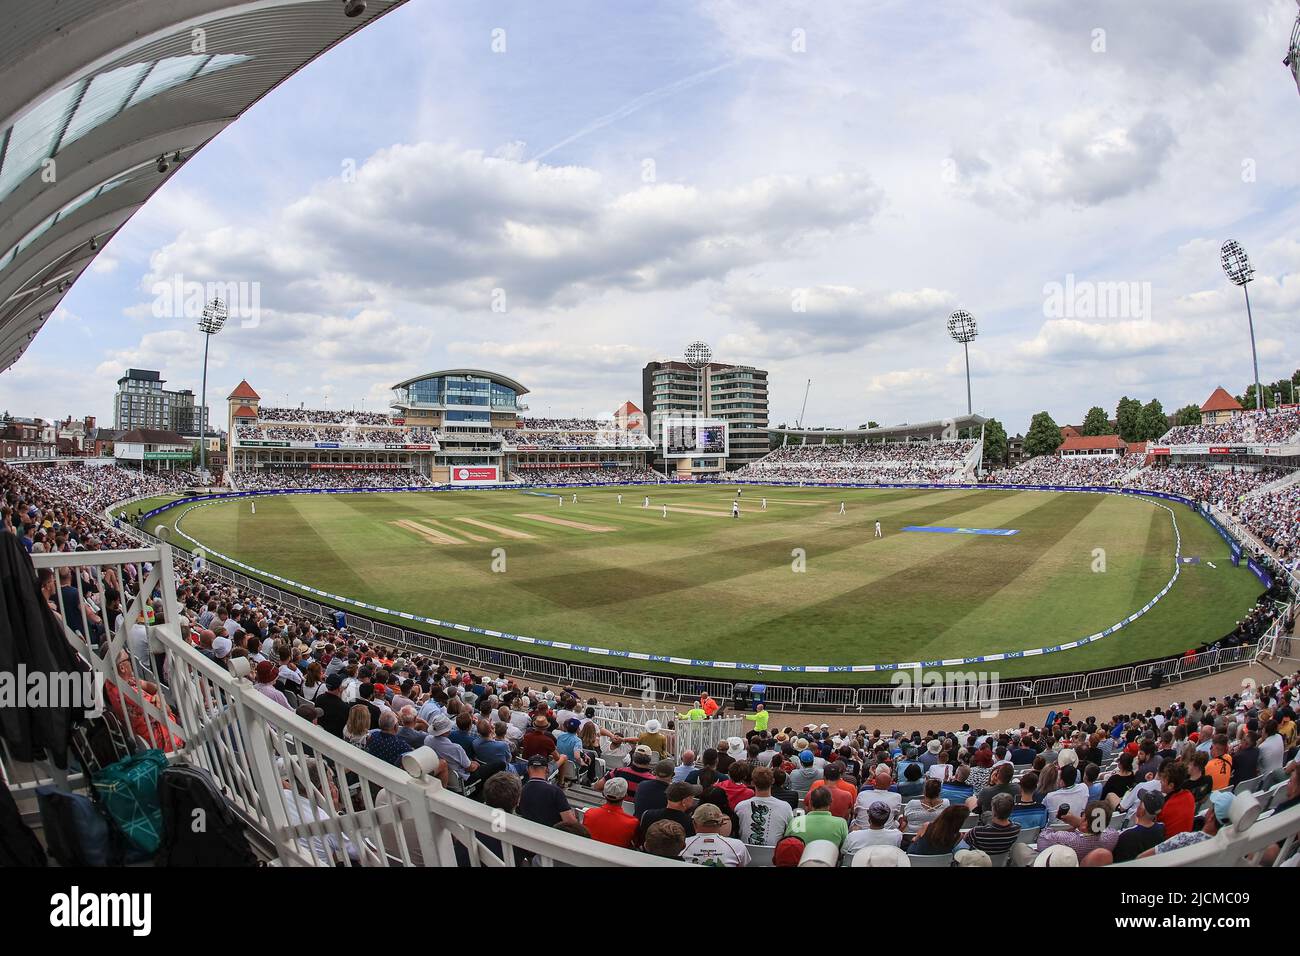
{"x":692,"y":437}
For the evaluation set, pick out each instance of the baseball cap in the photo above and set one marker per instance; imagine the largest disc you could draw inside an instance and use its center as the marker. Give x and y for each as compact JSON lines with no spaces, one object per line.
{"x":538,"y":760}
{"x":708,"y":815}
{"x":665,"y":769}
{"x":334,"y":681}
{"x":615,"y":789}
{"x":788,"y":852}
{"x":1221,"y":801}
{"x":1153,"y":801}
{"x":266,"y":672}
{"x":972,"y":858}
{"x":806,"y":758}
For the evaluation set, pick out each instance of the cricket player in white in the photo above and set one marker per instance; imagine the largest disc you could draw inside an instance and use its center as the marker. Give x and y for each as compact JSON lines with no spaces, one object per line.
{"x":764,"y":507}
{"x":665,"y":511}
{"x":878,"y":532}
{"x":253,"y":505}
{"x":735,"y":509}
{"x":841,"y":507}
{"x":620,"y":499}
{"x":646,"y":503}
{"x":575,"y":497}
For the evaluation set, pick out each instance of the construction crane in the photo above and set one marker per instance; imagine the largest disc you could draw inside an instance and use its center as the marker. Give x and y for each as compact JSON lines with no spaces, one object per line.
{"x":799,"y":422}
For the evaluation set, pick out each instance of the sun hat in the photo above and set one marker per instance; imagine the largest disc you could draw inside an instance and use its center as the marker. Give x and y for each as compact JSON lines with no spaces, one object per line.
{"x":652,"y":726}
{"x":934,"y":746}
{"x":881,"y":856}
{"x":1057,"y":855}
{"x":972,"y":858}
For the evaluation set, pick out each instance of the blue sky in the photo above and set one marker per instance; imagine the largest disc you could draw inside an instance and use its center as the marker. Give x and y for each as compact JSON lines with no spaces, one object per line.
{"x":809,"y":187}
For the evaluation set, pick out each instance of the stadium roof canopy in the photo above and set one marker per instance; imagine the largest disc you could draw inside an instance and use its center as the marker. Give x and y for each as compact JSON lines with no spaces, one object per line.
{"x":917,"y":431}
{"x":102,"y":100}
{"x":475,"y":372}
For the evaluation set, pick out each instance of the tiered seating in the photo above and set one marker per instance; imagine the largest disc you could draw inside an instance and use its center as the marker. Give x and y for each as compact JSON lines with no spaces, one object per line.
{"x":1266,"y":428}
{"x":938,"y":461}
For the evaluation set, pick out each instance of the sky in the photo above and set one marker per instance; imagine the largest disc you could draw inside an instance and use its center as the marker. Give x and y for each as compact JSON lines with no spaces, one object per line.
{"x":562,"y":192}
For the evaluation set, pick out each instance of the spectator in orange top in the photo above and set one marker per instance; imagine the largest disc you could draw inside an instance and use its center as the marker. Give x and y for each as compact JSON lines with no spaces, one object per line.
{"x":833,"y":773}
{"x":611,"y":823}
{"x":1179,"y":813}
{"x":843,"y":793}
{"x":1219,"y":767}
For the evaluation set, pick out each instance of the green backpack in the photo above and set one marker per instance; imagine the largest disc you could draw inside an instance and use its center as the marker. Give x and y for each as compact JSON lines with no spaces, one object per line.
{"x":128,"y":791}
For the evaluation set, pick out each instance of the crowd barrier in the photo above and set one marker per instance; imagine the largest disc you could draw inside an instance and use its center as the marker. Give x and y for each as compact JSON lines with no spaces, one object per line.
{"x":1023,"y":692}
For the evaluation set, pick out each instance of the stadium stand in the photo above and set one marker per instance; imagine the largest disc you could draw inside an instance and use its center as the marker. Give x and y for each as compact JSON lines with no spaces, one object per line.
{"x":961,"y":797}
{"x":584,"y":476}
{"x":1267,"y":428}
{"x":865,"y":463}
{"x":269,"y":479}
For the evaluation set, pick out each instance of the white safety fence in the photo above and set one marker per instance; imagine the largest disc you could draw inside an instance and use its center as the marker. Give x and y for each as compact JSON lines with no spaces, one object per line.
{"x":311,"y":798}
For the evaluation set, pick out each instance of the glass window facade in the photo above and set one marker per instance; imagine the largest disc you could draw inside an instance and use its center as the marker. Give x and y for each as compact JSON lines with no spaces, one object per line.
{"x":451,"y":391}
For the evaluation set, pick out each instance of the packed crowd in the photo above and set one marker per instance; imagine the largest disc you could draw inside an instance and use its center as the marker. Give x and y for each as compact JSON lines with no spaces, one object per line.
{"x":563,"y":424}
{"x":91,"y":490}
{"x":270,"y":479}
{"x":1274,"y":518}
{"x":322,"y":416}
{"x":576,"y":438}
{"x":1067,"y":470}
{"x":1073,"y":792}
{"x":584,"y":476}
{"x":931,"y":462}
{"x":323,"y":433}
{"x":1269,"y":428}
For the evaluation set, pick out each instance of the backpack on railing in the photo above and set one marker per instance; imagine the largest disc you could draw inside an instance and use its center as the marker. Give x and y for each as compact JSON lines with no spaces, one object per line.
{"x":128,"y":791}
{"x":199,"y":826}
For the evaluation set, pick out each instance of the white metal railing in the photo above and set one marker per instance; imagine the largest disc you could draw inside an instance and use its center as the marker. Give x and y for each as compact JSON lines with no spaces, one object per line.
{"x":312,"y":798}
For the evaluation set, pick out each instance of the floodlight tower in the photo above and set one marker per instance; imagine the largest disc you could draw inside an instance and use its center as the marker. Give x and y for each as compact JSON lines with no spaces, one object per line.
{"x":211,"y":322}
{"x":1293,"y":52}
{"x":1237,"y":267}
{"x":698,"y":356}
{"x":961,"y":326}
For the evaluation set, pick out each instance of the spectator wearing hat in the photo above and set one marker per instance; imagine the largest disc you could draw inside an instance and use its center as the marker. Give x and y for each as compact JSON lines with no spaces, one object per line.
{"x":654,"y":738}
{"x":652,"y":794}
{"x":542,"y":801}
{"x":819,"y":823}
{"x":805,"y":773}
{"x":1218,"y":817}
{"x":1146,"y":832}
{"x":264,"y":678}
{"x":708,"y":846}
{"x":680,"y":805}
{"x":610,"y":823}
{"x":877,"y":832}
{"x":763,"y":818}
{"x":538,"y":742}
{"x":636,"y":773}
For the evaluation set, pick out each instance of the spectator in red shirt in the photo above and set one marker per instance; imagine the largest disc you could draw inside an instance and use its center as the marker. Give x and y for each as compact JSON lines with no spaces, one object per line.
{"x":734,"y":786}
{"x":843,"y":794}
{"x":538,"y":742}
{"x":1179,"y":813}
{"x":611,"y":823}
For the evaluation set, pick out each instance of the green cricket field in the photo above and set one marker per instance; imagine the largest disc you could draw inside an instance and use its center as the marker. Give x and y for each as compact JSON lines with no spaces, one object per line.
{"x":796,"y":582}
